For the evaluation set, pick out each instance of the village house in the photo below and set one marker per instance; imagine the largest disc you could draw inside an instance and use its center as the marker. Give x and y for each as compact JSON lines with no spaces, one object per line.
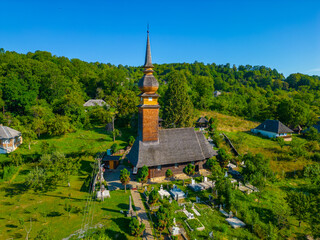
{"x":202,"y":123}
{"x":95,"y":102}
{"x":162,"y":149}
{"x":273,"y":129}
{"x":10,"y":139}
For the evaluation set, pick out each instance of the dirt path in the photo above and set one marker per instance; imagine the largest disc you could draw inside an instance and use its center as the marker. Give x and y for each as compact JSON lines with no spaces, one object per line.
{"x":142,"y":214}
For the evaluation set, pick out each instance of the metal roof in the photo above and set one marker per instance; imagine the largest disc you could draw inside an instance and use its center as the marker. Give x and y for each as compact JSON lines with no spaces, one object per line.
{"x":274,"y":126}
{"x":7,"y":132}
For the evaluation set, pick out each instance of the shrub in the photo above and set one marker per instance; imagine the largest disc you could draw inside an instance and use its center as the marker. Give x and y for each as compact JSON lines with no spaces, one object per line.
{"x":316,"y":157}
{"x":153,"y":197}
{"x":189,"y":169}
{"x":114,"y":147}
{"x":8,"y":171}
{"x":211,"y":162}
{"x":131,"y":141}
{"x":136,"y":229}
{"x":143,"y":174}
{"x":169,"y":173}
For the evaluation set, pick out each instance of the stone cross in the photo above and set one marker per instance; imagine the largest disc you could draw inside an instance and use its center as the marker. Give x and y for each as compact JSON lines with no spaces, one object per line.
{"x":161,"y":187}
{"x":174,"y":221}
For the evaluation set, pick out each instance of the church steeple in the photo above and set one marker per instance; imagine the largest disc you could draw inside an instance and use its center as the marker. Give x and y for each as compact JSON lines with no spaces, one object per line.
{"x":148,"y":61}
{"x":148,"y":129}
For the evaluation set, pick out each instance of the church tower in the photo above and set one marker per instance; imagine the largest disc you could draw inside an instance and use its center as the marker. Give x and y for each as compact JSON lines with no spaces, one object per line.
{"x":148,"y":126}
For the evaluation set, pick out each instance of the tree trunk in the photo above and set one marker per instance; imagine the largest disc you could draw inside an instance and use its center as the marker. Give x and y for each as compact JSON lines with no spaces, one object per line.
{"x":299,"y":223}
{"x":29,"y":145}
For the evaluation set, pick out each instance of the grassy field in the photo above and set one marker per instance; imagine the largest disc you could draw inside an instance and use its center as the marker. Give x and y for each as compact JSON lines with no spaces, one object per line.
{"x":238,"y":130}
{"x":48,"y":210}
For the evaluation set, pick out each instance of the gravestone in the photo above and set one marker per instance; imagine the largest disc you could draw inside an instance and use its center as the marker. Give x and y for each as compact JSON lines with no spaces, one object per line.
{"x":175,"y":230}
{"x":192,"y":206}
{"x":230,"y":214}
{"x":170,"y":200}
{"x":184,"y":207}
{"x":145,"y":189}
{"x":226,"y":174}
{"x":205,"y":179}
{"x":161,"y":187}
{"x":193,"y":182}
{"x":211,"y":234}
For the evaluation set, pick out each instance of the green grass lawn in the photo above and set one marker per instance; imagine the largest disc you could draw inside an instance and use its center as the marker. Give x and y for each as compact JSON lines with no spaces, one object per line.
{"x":48,"y":210}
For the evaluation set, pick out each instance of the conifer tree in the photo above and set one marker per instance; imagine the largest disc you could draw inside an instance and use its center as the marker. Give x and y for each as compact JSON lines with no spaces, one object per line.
{"x":178,"y":109}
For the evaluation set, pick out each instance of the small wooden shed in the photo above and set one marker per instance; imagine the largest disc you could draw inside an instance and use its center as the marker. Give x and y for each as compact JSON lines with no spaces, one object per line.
{"x":111,"y":162}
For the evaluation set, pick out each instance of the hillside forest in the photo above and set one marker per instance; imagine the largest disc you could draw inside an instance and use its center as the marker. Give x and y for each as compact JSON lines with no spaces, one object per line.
{"x":42,"y":96}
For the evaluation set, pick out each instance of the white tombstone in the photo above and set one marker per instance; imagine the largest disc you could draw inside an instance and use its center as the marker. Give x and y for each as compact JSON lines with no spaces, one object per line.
{"x":184,"y":207}
{"x":226,"y":174}
{"x":161,"y":187}
{"x":192,"y":206}
{"x":205,"y":179}
{"x":174,"y":221}
{"x":193,"y":182}
{"x":175,"y":230}
{"x":170,"y":200}
{"x":211,"y":234}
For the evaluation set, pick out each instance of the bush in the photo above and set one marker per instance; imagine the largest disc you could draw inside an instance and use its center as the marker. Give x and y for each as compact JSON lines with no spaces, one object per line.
{"x":114,"y":147}
{"x":189,"y":169}
{"x":153,"y":197}
{"x":131,"y":141}
{"x":169,"y":173}
{"x":8,"y":171}
{"x":211,"y":162}
{"x":136,"y":229}
{"x":316,"y":157}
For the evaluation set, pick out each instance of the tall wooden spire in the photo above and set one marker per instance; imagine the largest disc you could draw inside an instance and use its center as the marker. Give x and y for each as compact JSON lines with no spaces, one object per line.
{"x":148,"y":129}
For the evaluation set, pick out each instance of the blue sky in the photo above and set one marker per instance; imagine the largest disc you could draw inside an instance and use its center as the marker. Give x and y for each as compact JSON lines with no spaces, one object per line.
{"x":279,"y":34}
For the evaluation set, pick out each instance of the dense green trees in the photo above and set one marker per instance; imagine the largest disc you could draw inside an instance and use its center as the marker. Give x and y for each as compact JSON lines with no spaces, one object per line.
{"x":41,"y":92}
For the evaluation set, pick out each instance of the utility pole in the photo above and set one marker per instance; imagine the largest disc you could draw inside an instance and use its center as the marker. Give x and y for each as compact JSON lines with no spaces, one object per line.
{"x":101,"y":176}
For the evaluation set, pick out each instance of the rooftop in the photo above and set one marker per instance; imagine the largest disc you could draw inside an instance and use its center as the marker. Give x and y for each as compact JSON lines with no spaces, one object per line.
{"x":176,"y":145}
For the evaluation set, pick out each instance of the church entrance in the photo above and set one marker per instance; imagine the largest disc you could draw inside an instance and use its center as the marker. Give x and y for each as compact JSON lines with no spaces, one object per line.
{"x":197,"y":168}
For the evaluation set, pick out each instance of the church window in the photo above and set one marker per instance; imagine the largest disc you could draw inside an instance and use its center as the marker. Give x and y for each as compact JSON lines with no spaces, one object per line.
{"x":150,"y":99}
{"x":159,"y":168}
{"x":176,"y":165}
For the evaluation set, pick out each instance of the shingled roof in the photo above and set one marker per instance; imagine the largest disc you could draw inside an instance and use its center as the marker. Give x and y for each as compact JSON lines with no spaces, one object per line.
{"x":175,"y":145}
{"x":8,"y":133}
{"x":202,"y":120}
{"x":274,"y":126}
{"x":95,"y":102}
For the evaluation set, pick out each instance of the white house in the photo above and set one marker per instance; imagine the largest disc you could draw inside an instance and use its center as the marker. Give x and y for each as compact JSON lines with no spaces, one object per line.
{"x":273,"y":129}
{"x":10,"y":139}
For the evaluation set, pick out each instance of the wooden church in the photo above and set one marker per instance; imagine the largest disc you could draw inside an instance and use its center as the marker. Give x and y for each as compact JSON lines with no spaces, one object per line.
{"x":162,"y":149}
